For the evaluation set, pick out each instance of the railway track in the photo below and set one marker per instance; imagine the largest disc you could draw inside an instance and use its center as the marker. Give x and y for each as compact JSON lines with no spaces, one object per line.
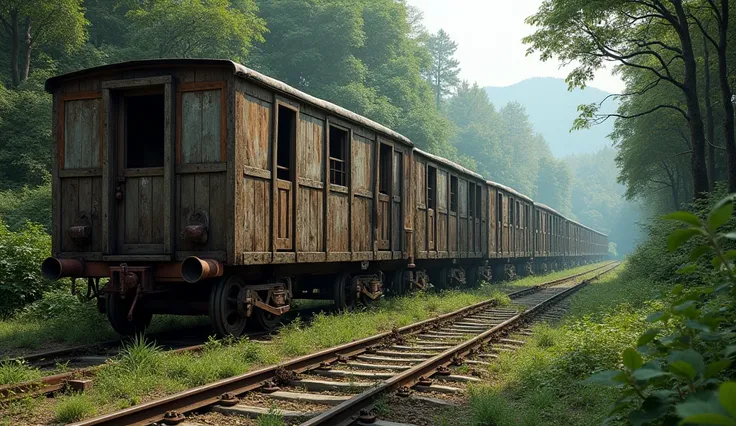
{"x":333,"y":386}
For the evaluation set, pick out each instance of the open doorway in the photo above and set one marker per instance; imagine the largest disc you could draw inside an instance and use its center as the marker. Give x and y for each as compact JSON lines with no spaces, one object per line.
{"x":144,"y":131}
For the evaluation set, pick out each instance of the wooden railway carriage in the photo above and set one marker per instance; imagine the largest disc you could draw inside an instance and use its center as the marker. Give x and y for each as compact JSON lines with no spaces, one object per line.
{"x":204,"y":187}
{"x":450,"y":223}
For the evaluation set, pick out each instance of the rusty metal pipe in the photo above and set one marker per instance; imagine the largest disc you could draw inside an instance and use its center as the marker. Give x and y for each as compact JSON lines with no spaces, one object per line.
{"x":53,"y":268}
{"x":194,"y":269}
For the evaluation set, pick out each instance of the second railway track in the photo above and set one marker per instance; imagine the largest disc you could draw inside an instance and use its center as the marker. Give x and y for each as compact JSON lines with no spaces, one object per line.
{"x":333,"y":386}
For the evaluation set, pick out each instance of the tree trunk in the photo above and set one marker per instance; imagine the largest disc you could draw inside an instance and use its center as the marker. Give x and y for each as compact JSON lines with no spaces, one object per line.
{"x":14,"y":48}
{"x":690,"y":89}
{"x":27,"y":57}
{"x":726,"y":95}
{"x":710,"y":121}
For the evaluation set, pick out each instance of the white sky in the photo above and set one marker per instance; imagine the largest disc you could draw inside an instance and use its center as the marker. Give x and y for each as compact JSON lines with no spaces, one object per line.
{"x":489,"y":33}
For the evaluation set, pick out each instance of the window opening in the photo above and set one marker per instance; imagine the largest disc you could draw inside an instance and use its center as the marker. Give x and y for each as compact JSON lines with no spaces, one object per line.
{"x":478,"y":202}
{"x":338,"y":156}
{"x":471,"y":199}
{"x":453,"y":194}
{"x":431,"y":187}
{"x":499,"y":208}
{"x":385,"y":157}
{"x":286,"y":140}
{"x":144,"y":131}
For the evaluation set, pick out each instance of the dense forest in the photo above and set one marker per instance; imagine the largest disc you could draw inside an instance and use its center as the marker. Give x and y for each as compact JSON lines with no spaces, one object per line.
{"x":374,"y":57}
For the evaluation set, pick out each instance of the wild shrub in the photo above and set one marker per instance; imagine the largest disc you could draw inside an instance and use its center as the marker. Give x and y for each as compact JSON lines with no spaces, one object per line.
{"x":654,"y":261}
{"x":680,"y":367}
{"x":21,"y":254}
{"x":27,"y":204}
{"x":74,"y":407}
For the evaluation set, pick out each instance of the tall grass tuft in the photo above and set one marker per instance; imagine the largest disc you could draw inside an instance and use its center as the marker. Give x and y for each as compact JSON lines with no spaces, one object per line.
{"x":73,"y":408}
{"x":16,"y":371}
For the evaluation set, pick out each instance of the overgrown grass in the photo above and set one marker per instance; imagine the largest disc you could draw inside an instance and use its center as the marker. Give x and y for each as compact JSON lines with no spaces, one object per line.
{"x":17,"y":372}
{"x":538,"y":279}
{"x":71,"y":408}
{"x":143,"y":371}
{"x":59,"y":318}
{"x":542,"y":383}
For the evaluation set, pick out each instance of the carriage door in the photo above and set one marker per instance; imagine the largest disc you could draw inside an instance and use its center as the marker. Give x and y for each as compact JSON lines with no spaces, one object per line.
{"x":286,"y":120}
{"x":140,"y":129}
{"x":431,"y":208}
{"x":385,"y":192}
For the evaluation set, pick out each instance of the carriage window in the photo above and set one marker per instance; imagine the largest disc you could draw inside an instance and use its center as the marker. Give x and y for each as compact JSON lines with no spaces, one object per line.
{"x":338,"y":156}
{"x":453,"y":194}
{"x":478,"y":201}
{"x":499,"y":208}
{"x":518,"y":214}
{"x":385,"y":155}
{"x":471,"y":199}
{"x":286,"y":140}
{"x":431,"y":187}
{"x":144,"y":131}
{"x":511,"y":212}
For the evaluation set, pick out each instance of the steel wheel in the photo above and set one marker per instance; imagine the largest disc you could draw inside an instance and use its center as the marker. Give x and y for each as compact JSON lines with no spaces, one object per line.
{"x":228,"y":319}
{"x":345,"y":293}
{"x":117,"y":313}
{"x":265,"y":321}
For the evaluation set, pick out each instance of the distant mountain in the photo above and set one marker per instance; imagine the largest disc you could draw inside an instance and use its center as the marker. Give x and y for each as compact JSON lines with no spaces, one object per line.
{"x":552,"y":110}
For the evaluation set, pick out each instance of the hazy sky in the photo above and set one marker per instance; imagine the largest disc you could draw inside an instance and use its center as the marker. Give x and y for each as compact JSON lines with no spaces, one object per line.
{"x":489,"y":34}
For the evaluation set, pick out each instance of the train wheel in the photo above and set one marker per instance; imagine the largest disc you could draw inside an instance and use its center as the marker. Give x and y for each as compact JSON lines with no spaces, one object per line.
{"x":227,"y":319}
{"x":265,"y":320}
{"x":117,"y":310}
{"x":345,"y":293}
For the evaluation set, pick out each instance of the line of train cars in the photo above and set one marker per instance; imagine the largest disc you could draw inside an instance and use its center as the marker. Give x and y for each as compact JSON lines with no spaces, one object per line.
{"x":201,"y":187}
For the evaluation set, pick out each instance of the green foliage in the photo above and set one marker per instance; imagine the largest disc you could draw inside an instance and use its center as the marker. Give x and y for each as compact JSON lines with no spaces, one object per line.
{"x":444,"y":69}
{"x":195,"y":28}
{"x":21,"y":252}
{"x":25,"y":137}
{"x":15,"y":371}
{"x":72,"y":408}
{"x":18,"y":206}
{"x":687,"y":345}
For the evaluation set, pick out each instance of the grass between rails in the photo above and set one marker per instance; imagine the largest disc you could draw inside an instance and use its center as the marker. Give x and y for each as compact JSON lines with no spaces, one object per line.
{"x":543,"y":382}
{"x":144,"y":372}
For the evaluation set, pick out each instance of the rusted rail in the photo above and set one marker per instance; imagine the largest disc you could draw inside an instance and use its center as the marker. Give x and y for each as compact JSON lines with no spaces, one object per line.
{"x":346,"y":413}
{"x":213,"y":393}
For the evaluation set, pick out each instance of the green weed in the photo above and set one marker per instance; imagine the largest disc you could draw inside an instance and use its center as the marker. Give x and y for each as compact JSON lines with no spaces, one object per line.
{"x":12,"y":372}
{"x":274,"y":417}
{"x":73,"y":408}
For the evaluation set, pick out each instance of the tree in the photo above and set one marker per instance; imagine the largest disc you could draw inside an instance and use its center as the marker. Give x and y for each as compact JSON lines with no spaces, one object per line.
{"x":649,"y":35}
{"x":720,"y":12}
{"x":444,"y":71}
{"x":196,"y":28}
{"x":30,"y":25}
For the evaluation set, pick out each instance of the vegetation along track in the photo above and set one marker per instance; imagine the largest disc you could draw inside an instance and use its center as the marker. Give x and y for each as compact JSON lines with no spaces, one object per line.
{"x":331,"y":386}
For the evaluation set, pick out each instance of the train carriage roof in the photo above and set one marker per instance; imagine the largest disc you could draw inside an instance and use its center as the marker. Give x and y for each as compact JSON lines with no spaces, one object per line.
{"x":240,"y":71}
{"x":510,"y":190}
{"x":449,"y":163}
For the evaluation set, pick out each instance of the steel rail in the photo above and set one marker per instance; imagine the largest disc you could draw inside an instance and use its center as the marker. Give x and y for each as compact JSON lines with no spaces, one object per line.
{"x":210,"y":394}
{"x":345,"y":413}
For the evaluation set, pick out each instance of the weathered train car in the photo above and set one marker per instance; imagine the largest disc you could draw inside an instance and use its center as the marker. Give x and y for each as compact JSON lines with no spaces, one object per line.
{"x":183,"y":171}
{"x":203,"y":187}
{"x":451,"y":223}
{"x":512,"y":230}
